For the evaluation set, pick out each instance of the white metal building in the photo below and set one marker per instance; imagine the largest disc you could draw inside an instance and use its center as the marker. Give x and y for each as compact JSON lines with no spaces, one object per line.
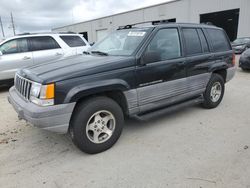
{"x":232,"y":15}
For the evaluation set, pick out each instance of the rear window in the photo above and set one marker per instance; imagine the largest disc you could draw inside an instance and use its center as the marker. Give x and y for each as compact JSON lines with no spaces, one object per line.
{"x":192,"y":41}
{"x":73,"y":41}
{"x":219,"y":40}
{"x":43,"y":43}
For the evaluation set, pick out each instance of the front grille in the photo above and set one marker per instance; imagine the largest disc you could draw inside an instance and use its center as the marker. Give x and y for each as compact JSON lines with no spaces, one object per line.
{"x":23,"y":86}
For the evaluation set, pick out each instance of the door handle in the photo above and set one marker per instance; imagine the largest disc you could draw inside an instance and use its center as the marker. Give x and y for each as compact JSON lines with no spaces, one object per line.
{"x":26,"y":58}
{"x":58,"y":53}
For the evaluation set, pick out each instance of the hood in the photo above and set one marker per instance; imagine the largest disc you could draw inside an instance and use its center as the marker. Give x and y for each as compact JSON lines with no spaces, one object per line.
{"x":76,"y":66}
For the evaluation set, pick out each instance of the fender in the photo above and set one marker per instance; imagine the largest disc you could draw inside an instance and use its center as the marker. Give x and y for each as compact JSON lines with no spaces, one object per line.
{"x":218,"y":66}
{"x":96,"y":87}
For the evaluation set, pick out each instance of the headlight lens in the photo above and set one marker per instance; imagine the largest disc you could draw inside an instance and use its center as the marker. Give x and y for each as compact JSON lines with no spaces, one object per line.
{"x":42,"y":95}
{"x":35,"y":89}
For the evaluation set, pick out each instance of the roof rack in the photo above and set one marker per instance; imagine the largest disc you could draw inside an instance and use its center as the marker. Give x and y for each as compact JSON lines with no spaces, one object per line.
{"x":158,"y":22}
{"x":66,"y":32}
{"x":125,"y":27}
{"x":208,"y":23}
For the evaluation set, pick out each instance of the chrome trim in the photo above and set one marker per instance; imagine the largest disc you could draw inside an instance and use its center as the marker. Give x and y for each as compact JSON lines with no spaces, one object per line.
{"x":23,"y":86}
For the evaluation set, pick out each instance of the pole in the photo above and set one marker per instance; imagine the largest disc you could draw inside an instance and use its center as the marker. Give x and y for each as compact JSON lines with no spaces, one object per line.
{"x":1,"y":24}
{"x":13,"y":25}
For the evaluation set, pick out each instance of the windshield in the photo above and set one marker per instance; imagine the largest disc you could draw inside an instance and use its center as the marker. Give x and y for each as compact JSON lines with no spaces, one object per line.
{"x":241,"y":41}
{"x":121,"y":42}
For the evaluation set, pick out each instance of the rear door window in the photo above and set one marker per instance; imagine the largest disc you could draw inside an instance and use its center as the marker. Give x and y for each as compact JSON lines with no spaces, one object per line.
{"x":43,"y":43}
{"x":219,"y":40}
{"x":192,"y":41}
{"x":203,"y":41}
{"x":73,"y":41}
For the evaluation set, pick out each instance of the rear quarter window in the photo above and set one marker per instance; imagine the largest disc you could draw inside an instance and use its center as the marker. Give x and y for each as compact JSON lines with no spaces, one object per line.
{"x":73,"y":41}
{"x":219,"y":40}
{"x":43,"y":43}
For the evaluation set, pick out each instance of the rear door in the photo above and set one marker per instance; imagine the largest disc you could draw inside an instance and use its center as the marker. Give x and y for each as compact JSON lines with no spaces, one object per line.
{"x":16,"y":55}
{"x":44,"y":49}
{"x":162,"y":80}
{"x":198,"y":59}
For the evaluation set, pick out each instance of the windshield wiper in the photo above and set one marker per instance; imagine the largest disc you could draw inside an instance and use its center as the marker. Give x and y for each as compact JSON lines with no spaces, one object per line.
{"x":86,"y":52}
{"x":100,"y":53}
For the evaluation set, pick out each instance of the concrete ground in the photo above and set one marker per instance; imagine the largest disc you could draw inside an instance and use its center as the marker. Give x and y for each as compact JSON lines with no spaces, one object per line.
{"x":192,"y":147}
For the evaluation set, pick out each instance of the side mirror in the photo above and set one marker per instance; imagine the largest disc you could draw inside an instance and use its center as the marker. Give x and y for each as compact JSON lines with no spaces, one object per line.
{"x":150,"y":57}
{"x":1,"y":53}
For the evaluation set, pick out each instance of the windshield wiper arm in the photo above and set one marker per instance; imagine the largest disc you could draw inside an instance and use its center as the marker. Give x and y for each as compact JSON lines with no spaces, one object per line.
{"x":100,"y":53}
{"x":86,"y":52}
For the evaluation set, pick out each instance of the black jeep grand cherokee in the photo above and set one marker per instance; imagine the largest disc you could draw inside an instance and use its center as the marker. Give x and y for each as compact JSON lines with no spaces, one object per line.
{"x":133,"y":72}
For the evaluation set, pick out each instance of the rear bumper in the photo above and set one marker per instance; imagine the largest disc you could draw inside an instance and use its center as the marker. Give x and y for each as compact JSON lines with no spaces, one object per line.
{"x":230,"y":73}
{"x":53,"y":118}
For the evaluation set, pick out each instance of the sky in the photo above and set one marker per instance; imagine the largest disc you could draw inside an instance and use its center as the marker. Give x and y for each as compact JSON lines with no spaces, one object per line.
{"x":43,"y":15}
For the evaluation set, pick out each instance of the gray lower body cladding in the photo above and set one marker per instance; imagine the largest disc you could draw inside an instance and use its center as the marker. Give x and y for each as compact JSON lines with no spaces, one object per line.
{"x":53,"y":118}
{"x":165,"y":93}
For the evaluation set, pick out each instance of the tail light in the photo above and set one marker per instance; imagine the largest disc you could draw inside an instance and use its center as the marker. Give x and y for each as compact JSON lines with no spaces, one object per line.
{"x":234,"y":60}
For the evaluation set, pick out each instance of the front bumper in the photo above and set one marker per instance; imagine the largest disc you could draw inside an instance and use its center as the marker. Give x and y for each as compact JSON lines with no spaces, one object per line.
{"x":53,"y":118}
{"x":230,"y":73}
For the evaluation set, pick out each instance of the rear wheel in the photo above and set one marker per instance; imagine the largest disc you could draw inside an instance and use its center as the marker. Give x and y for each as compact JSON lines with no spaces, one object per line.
{"x":96,"y":125}
{"x":214,"y":92}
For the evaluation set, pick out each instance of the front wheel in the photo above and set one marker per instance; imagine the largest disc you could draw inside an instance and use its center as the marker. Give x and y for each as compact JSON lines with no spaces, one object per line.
{"x":96,"y":124}
{"x":214,"y":92}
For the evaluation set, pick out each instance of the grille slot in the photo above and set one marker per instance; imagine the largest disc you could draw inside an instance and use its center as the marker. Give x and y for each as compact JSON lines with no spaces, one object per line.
{"x":23,"y":86}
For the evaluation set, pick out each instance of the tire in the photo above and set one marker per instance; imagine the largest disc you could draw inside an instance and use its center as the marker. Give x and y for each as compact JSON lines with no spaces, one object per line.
{"x":211,"y":99}
{"x":96,"y":124}
{"x":244,"y":69}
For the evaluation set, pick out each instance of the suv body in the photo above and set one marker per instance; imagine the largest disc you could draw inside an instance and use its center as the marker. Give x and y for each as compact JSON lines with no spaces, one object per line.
{"x":133,"y":72}
{"x":241,"y":44}
{"x":32,"y":49}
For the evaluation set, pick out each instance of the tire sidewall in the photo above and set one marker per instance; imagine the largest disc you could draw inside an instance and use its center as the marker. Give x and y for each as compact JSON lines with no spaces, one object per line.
{"x":81,"y":117}
{"x":208,"y":103}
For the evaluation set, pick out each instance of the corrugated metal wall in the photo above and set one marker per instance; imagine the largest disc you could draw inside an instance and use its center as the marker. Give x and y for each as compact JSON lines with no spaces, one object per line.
{"x":182,"y":10}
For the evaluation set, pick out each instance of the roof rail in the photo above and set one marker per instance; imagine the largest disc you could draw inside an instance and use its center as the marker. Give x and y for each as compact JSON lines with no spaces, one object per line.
{"x":208,"y":23}
{"x":125,"y":27}
{"x":66,"y":32}
{"x":158,"y":22}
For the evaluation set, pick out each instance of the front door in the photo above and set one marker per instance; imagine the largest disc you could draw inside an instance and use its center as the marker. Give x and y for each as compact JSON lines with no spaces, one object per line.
{"x":15,"y":55}
{"x":161,"y":75}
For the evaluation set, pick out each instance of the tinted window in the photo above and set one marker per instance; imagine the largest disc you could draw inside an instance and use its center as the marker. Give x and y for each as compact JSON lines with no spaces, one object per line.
{"x":219,"y":40}
{"x":166,"y":43}
{"x":203,"y":41}
{"x":43,"y":43}
{"x":73,"y":41}
{"x":192,"y":41}
{"x":14,"y":46}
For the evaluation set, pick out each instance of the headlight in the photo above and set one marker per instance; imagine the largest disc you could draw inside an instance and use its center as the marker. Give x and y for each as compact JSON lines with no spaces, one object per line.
{"x":42,"y":95}
{"x":35,"y":89}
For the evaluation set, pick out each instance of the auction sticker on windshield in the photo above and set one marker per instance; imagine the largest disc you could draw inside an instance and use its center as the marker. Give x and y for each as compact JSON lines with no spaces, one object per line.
{"x":136,"y":34}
